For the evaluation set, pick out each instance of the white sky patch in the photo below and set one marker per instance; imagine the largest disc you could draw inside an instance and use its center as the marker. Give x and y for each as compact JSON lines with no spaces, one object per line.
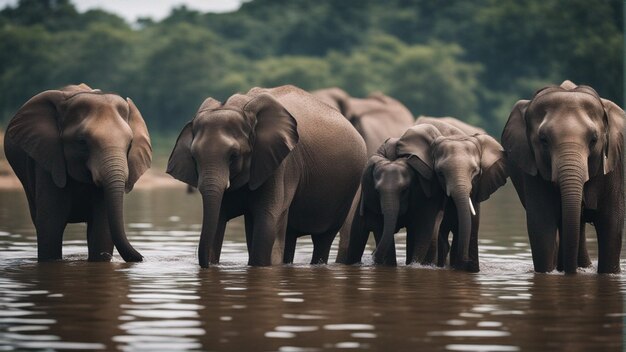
{"x":155,"y":9}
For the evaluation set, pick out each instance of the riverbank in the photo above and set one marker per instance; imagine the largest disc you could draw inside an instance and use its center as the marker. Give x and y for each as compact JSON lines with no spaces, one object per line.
{"x":153,"y":178}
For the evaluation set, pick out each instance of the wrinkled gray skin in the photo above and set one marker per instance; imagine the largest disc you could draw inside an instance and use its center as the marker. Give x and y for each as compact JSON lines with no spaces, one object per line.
{"x":376,"y":118}
{"x":75,"y":151}
{"x":565,"y":159}
{"x":469,"y":165}
{"x":407,"y":184}
{"x":286,"y":161}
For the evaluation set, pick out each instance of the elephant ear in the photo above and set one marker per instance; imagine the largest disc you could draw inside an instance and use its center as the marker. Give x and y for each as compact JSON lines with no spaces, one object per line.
{"x":181,"y":164}
{"x":492,"y":166}
{"x":415,"y":145}
{"x":615,"y":127}
{"x":275,"y":136}
{"x":515,"y":140}
{"x":140,"y":153}
{"x":35,"y":129}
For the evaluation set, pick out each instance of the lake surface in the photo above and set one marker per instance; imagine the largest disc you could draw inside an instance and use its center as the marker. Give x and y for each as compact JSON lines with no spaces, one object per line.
{"x":168,"y":303}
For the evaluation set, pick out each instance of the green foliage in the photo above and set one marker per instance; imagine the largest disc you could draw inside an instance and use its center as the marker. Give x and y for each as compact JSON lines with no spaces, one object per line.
{"x":470,"y":59}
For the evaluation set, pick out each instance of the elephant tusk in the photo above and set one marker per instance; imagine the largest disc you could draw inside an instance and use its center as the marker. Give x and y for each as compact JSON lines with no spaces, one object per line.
{"x":472,"y":206}
{"x":604,"y":157}
{"x":228,"y":185}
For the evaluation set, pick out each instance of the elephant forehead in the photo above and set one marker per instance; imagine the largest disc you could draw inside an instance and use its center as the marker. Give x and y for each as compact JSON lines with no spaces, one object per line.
{"x":575,"y":102}
{"x":96,"y":105}
{"x":461,"y":147}
{"x":221,"y":119}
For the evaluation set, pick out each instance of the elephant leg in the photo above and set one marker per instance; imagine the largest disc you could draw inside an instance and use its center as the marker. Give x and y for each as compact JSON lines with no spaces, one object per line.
{"x":344,"y":231}
{"x":249,"y":226}
{"x":609,"y":225}
{"x":359,"y":233}
{"x":268,"y":239}
{"x":431,"y":255}
{"x":290,"y":247}
{"x":53,"y":209}
{"x":542,"y":214}
{"x":321,"y":246}
{"x":424,"y":228}
{"x":410,"y":244}
{"x":583,"y":254}
{"x":99,"y":241}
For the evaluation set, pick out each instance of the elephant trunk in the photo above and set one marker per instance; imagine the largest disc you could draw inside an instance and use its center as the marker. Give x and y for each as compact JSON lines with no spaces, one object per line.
{"x":571,"y":178}
{"x":211,"y":186}
{"x":390,"y":206}
{"x":113,"y":183}
{"x":462,"y":201}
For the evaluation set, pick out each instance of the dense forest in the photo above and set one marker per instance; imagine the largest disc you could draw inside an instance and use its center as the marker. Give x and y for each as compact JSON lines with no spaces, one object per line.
{"x":470,"y":59}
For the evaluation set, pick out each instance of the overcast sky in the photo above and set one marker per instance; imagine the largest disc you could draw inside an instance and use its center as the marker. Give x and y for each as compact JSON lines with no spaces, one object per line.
{"x":157,"y":9}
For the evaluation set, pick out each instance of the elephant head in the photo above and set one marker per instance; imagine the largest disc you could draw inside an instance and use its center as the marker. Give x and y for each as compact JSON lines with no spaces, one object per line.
{"x":465,"y":167}
{"x":566,"y":134}
{"x":229,"y":146}
{"x":386,"y":185}
{"x":90,"y":137}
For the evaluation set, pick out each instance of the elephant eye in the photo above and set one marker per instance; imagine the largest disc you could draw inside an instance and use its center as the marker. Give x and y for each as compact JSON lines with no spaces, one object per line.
{"x":234,"y":156}
{"x":543,"y":140}
{"x":594,"y":140}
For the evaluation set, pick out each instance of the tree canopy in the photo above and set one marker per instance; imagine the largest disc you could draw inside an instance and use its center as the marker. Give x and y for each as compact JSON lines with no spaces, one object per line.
{"x":468,"y":59}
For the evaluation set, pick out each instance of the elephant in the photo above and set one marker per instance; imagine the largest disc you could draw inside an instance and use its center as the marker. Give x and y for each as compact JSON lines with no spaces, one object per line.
{"x":469,"y":163}
{"x":564,"y":155}
{"x":279,"y":156}
{"x":376,"y":117}
{"x":76,"y":151}
{"x":408,"y":184}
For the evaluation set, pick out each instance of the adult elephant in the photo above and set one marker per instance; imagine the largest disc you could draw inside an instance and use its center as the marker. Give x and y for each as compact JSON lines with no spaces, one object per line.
{"x":376,"y":117}
{"x":75,"y":151}
{"x":470,"y":167}
{"x":564,"y":150}
{"x":286,"y":161}
{"x":407,"y":184}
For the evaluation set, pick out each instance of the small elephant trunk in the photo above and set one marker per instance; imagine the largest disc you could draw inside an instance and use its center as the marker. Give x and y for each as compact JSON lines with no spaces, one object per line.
{"x":570,"y":180}
{"x":113,"y":183}
{"x":390,"y":206}
{"x":462,"y":201}
{"x":212,"y":191}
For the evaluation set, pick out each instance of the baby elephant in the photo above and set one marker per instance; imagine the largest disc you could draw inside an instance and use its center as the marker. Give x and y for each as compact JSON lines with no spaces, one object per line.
{"x":433,"y":167}
{"x":75,"y":151}
{"x":470,"y":166}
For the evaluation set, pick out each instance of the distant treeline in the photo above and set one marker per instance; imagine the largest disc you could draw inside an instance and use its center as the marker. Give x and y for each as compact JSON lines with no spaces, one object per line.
{"x":470,"y":59}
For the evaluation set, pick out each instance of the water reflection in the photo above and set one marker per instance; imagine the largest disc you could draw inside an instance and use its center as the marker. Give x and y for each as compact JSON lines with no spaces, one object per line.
{"x":168,"y":303}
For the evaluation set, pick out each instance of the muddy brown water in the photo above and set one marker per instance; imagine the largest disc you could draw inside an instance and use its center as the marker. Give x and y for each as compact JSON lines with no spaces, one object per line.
{"x":168,"y":303}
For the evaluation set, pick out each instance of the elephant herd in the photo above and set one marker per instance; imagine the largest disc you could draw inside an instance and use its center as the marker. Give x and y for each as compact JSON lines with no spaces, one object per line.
{"x":297,"y":163}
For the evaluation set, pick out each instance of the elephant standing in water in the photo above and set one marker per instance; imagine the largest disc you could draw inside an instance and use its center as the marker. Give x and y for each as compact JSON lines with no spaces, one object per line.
{"x":286,"y":161}
{"x":565,"y":159}
{"x":469,"y":164}
{"x":376,"y":118}
{"x":408,"y":183}
{"x":75,"y":151}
